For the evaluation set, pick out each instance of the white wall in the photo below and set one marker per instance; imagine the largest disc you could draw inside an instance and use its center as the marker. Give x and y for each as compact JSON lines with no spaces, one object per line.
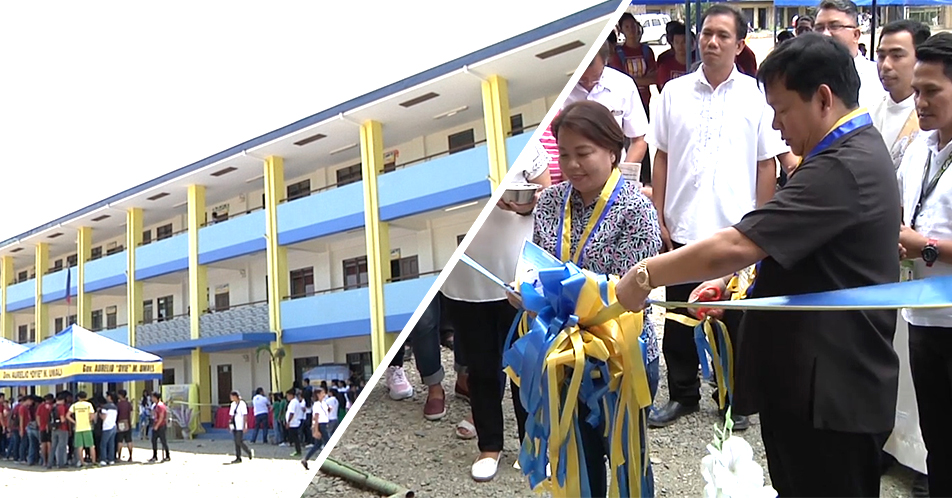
{"x":247,"y":373}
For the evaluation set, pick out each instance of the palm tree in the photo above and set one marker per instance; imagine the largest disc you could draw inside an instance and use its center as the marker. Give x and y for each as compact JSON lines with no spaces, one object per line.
{"x":277,"y":355}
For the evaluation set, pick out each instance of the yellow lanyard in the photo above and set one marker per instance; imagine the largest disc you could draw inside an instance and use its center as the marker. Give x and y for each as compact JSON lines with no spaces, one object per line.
{"x":600,"y":206}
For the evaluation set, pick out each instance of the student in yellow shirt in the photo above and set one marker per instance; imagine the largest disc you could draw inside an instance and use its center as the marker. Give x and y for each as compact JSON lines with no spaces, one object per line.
{"x":81,"y":415}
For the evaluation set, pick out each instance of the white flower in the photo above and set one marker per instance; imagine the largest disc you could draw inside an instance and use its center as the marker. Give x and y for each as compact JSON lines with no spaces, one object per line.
{"x":731,"y":472}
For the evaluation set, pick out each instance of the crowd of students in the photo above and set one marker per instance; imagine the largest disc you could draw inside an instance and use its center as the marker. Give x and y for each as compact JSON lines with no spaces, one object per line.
{"x":66,"y":429}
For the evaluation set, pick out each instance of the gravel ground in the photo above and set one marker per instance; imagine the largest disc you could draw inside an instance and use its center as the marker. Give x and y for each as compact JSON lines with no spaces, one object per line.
{"x":391,"y":440}
{"x":197,"y":468}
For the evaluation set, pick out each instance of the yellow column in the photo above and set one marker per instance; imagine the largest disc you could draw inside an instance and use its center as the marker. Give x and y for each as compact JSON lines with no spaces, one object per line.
{"x":133,"y":289}
{"x":84,"y":307}
{"x":40,"y":312}
{"x":498,"y":126}
{"x":277,"y":267}
{"x":201,"y":375}
{"x":6,"y":319}
{"x":198,"y":296}
{"x":377,"y":234}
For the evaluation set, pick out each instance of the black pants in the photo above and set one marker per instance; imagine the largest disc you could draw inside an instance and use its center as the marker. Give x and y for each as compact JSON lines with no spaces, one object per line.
{"x":481,"y":328}
{"x":306,"y":435}
{"x":240,"y":444}
{"x":808,"y":462}
{"x":930,"y":358}
{"x":157,"y":435}
{"x":294,"y":434}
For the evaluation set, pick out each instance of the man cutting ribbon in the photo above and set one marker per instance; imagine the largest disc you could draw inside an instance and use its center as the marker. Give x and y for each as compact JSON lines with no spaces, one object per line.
{"x":825,"y":382}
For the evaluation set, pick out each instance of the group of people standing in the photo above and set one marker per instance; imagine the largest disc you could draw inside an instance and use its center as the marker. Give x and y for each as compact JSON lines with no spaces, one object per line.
{"x":61,"y":430}
{"x":809,"y":175}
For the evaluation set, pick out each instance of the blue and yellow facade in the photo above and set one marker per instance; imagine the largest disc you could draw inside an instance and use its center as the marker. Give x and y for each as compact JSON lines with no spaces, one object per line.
{"x":318,"y":239}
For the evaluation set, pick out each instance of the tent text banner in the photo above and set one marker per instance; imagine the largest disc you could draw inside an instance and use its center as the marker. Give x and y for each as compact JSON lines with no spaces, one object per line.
{"x":82,"y":371}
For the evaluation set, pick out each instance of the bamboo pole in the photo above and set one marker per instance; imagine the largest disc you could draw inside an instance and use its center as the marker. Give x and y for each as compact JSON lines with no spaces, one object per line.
{"x":362,"y":479}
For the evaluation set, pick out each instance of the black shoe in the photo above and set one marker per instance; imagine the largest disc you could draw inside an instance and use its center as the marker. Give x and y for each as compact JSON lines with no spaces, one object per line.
{"x":251,"y":454}
{"x":669,"y":414}
{"x":741,"y":422}
{"x":167,"y":459}
{"x":304,"y":463}
{"x":153,"y":460}
{"x":920,"y":486}
{"x":237,"y":460}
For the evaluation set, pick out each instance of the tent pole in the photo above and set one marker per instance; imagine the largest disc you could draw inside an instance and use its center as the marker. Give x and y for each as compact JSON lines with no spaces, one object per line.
{"x":689,"y":40}
{"x":872,"y":30}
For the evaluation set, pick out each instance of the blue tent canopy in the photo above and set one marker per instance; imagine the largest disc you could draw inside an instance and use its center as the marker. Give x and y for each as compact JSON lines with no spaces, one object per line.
{"x":78,"y":355}
{"x":9,"y":349}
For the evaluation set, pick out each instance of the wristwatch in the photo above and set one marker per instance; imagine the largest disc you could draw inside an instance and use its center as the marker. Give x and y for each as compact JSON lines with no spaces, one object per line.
{"x":930,"y":253}
{"x":641,"y":276}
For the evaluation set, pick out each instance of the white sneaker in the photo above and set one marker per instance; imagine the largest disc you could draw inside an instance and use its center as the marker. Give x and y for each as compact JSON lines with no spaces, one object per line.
{"x":398,"y":384}
{"x":283,"y":444}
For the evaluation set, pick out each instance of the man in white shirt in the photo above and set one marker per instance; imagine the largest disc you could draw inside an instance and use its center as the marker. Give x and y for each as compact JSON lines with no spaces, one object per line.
{"x":294,"y":418}
{"x":238,"y":416}
{"x":895,"y":115}
{"x":715,"y":163}
{"x":262,"y":406}
{"x":333,"y":405}
{"x":320,"y":422}
{"x":926,"y":238}
{"x":619,"y":93}
{"x":840,"y":19}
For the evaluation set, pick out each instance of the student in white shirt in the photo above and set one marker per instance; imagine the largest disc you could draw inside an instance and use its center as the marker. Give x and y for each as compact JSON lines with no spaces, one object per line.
{"x":840,"y":19}
{"x":262,"y":406}
{"x":715,"y":162}
{"x":926,"y":238}
{"x":320,"y":423}
{"x":238,"y":422}
{"x":333,"y":405}
{"x":109,"y":413}
{"x":895,"y":115}
{"x":294,"y":418}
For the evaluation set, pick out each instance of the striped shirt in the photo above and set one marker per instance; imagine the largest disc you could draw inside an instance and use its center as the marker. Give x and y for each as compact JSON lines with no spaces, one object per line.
{"x":552,"y":148}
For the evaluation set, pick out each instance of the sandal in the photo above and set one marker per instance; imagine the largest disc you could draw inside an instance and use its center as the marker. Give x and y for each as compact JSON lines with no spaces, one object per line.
{"x":465,"y":430}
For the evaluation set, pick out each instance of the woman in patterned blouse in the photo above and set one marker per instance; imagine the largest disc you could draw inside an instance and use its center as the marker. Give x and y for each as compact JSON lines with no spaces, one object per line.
{"x":590,"y":146}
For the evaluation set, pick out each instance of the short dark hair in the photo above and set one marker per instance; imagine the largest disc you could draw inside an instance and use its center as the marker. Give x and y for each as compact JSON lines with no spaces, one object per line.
{"x":810,"y":60}
{"x":720,"y":9}
{"x":919,"y":31}
{"x":156,"y":395}
{"x":123,"y":393}
{"x":260,"y":390}
{"x":81,"y":395}
{"x":845,"y":6}
{"x":236,"y":393}
{"x":48,"y":397}
{"x":937,"y":50}
{"x":806,"y":18}
{"x":675,"y":28}
{"x":784,"y":36}
{"x":593,"y":121}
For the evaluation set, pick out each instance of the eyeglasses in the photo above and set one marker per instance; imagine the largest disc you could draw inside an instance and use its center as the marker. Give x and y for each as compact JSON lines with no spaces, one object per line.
{"x":832,"y":28}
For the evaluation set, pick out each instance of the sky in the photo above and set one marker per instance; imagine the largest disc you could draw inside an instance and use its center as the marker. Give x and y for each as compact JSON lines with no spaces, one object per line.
{"x":100,"y":96}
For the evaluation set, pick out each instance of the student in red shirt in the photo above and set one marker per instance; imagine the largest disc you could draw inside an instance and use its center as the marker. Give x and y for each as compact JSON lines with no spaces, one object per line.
{"x":160,"y":417}
{"x":635,"y":58}
{"x":43,"y":420}
{"x":675,"y":65}
{"x":60,"y":430}
{"x":747,"y":62}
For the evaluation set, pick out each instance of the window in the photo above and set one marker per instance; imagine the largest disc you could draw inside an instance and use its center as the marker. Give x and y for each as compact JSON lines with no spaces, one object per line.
{"x":163,"y":232}
{"x":515,"y":124}
{"x":147,"y":311}
{"x":57,"y":325}
{"x":222,"y":300}
{"x":168,"y":376}
{"x":350,"y":174}
{"x":95,"y":254}
{"x":299,"y":189}
{"x":353,"y":174}
{"x":114,"y":250}
{"x":355,"y":273}
{"x":71,"y":261}
{"x":404,"y":268}
{"x":302,"y":282}
{"x":165,"y":308}
{"x":96,"y":324}
{"x":303,"y":365}
{"x":71,"y":320}
{"x":360,"y":365}
{"x":462,"y":141}
{"x":146,"y":237}
{"x":111,"y":318}
{"x":459,"y":239}
{"x":57,"y":266}
{"x":23,"y":334}
{"x":23,"y":276}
